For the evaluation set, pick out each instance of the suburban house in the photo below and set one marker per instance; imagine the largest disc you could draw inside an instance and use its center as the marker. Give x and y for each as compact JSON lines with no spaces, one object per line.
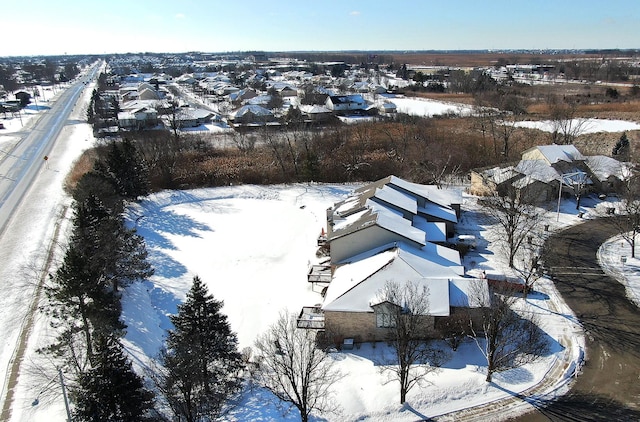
{"x":543,"y":169}
{"x":316,"y":113}
{"x":139,"y":118}
{"x":387,"y":107}
{"x":243,"y":95}
{"x":284,"y":89}
{"x":252,"y":114}
{"x":343,"y":104}
{"x":607,"y":174}
{"x":390,"y":230}
{"x":186,"y":117}
{"x":354,"y":308}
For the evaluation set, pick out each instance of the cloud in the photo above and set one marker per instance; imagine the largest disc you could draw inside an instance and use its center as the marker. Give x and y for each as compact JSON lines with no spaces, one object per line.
{"x":354,"y":13}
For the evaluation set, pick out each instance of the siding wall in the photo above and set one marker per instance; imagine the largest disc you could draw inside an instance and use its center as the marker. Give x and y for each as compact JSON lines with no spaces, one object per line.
{"x":363,"y":240}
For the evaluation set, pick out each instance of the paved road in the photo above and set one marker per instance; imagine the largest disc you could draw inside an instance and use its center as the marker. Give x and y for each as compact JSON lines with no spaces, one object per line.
{"x":25,"y":221}
{"x":20,"y":164}
{"x":609,"y":387}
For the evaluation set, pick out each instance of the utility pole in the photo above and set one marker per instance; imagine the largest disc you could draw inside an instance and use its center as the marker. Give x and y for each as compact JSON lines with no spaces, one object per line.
{"x":64,"y":395}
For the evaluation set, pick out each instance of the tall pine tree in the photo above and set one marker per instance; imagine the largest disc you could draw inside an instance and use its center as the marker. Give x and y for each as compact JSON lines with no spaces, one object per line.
{"x":201,"y":359}
{"x":83,"y":294}
{"x":125,"y":168}
{"x":111,"y":390}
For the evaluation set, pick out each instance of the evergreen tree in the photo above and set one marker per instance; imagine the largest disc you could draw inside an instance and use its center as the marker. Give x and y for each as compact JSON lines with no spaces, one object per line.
{"x":79,"y":300}
{"x":118,"y":253}
{"x":201,"y":359}
{"x":126,"y":170}
{"x":102,"y":256}
{"x":111,"y":390}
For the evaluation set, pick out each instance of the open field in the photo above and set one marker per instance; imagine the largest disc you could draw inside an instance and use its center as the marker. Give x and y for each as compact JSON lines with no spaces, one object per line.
{"x":474,"y":59}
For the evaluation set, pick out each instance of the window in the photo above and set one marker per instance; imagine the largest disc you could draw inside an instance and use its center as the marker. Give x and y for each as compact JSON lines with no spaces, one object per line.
{"x":384,"y":320}
{"x":385,"y":315}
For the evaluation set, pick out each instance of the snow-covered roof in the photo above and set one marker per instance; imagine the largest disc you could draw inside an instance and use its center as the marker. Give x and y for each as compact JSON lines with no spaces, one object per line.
{"x":252,"y":108}
{"x":356,"y":285}
{"x":314,"y":109}
{"x":396,"y":198}
{"x":604,"y":167}
{"x":405,"y":195}
{"x":465,"y":292}
{"x":149,"y":94}
{"x":500,"y":174}
{"x":555,"y":153}
{"x":193,"y":113}
{"x":438,"y":211}
{"x":380,"y":216}
{"x":390,"y":220}
{"x":538,"y":170}
{"x":136,"y":104}
{"x":445,"y":197}
{"x":434,"y":232}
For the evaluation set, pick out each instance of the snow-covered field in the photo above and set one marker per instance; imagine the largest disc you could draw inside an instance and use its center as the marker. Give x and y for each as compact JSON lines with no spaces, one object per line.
{"x":584,"y":126}
{"x":252,"y":246}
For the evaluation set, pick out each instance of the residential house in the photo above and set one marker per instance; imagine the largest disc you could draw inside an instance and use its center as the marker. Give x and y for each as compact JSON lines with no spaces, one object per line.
{"x":387,"y":107}
{"x":391,"y":230}
{"x":284,"y":89}
{"x":316,"y":113}
{"x":251,"y":114}
{"x":140,"y":118}
{"x":353,"y":306}
{"x":344,"y":104}
{"x":543,"y":169}
{"x":608,"y":174}
{"x":422,"y":205}
{"x":186,"y":117}
{"x":243,"y":95}
{"x":488,"y":180}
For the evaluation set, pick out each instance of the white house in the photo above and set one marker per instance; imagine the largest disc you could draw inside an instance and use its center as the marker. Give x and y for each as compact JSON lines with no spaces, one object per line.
{"x":346,"y":103}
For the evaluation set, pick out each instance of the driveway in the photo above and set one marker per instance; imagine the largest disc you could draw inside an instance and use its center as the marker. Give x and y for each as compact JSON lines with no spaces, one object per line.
{"x":609,"y":387}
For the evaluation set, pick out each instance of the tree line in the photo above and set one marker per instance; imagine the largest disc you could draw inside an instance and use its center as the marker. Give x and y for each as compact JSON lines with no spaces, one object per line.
{"x":103,"y":256}
{"x":199,"y":371}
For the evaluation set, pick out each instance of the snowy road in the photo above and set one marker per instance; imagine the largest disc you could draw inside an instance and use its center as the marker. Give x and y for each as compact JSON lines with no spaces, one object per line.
{"x":31,"y":203}
{"x":20,"y":164}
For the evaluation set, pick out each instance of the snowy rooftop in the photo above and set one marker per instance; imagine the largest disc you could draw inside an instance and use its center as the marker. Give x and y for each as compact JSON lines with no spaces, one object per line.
{"x":604,"y":167}
{"x":556,"y":153}
{"x":538,"y":170}
{"x":357,"y":284}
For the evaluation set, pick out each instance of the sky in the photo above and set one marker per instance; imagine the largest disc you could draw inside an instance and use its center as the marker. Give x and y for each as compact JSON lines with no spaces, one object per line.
{"x":48,"y":27}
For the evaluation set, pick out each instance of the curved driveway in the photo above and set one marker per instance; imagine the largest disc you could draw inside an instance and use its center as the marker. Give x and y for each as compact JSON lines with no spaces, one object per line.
{"x":609,"y":387}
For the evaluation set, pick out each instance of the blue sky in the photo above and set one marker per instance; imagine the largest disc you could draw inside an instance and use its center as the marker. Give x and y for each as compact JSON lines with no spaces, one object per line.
{"x":116,"y":26}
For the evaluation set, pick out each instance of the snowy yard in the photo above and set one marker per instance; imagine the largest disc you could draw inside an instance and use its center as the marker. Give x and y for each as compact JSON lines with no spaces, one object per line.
{"x":253,"y":245}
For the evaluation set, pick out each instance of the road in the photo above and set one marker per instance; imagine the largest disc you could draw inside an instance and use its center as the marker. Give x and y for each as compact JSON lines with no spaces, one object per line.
{"x":31,"y":204}
{"x":609,"y":387}
{"x":20,"y":164}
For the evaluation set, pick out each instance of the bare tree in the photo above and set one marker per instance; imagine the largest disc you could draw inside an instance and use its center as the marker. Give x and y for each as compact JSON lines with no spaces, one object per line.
{"x":628,"y":222}
{"x":566,"y":124}
{"x":578,"y":182}
{"x":498,"y":122}
{"x":407,"y":305}
{"x":243,"y":141}
{"x":528,"y":267}
{"x":517,"y":215}
{"x":511,"y":340}
{"x":293,"y":368}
